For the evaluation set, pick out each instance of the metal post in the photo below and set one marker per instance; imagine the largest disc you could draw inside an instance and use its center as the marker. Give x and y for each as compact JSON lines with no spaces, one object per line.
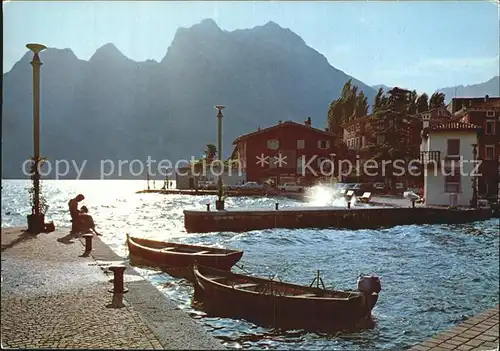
{"x":474,"y":178}
{"x":118,"y":286}
{"x":88,"y":242}
{"x":348,"y":204}
{"x":208,"y":207}
{"x":220,"y":202}
{"x":276,"y":206}
{"x":36,"y":63}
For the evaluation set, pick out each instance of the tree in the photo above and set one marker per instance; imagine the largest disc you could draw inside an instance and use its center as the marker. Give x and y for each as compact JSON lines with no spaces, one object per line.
{"x":335,"y":118}
{"x":377,"y":102}
{"x":361,"y":107}
{"x":423,"y":103}
{"x":210,"y":152}
{"x":437,"y":100}
{"x":412,"y":103}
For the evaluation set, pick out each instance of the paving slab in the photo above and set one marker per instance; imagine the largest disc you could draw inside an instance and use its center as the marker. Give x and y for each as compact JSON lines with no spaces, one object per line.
{"x":476,"y":333}
{"x":53,"y":296}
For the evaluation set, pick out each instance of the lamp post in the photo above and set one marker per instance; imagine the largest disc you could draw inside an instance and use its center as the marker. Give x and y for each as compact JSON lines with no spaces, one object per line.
{"x":473,"y":201}
{"x":36,"y":223}
{"x":219,"y":203}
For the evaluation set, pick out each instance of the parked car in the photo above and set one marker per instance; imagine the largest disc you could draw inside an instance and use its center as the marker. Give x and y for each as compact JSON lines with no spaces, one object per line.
{"x":291,"y":188}
{"x":252,"y":186}
{"x":208,"y":185}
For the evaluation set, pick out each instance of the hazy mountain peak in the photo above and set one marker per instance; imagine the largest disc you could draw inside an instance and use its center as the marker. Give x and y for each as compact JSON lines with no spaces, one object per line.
{"x":207,"y":23}
{"x":106,"y":52}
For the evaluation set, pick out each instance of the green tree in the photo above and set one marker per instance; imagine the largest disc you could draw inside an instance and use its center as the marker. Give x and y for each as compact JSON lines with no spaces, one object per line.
{"x":437,"y":100}
{"x":210,"y":152}
{"x":377,"y":102}
{"x":335,"y":118}
{"x":423,"y":103}
{"x":412,"y":103}
{"x":361,"y":107}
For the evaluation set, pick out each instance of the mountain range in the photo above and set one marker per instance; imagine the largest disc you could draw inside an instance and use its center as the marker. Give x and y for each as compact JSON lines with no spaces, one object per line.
{"x":490,"y":87}
{"x":111,"y":107}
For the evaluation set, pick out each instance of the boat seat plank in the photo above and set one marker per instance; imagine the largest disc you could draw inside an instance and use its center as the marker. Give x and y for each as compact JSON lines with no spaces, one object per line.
{"x":217,"y":278}
{"x":201,"y":252}
{"x":245,"y":285}
{"x":305,"y":295}
{"x":168,"y":249}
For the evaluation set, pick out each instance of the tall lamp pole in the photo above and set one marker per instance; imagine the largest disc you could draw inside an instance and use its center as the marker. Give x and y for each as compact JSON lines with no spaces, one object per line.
{"x":219,"y":203}
{"x":473,"y":201}
{"x":36,"y":63}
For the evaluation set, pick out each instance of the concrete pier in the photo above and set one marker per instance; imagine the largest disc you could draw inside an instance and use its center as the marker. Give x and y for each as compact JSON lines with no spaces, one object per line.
{"x":476,"y":333}
{"x":55,"y":296}
{"x":237,"y":220}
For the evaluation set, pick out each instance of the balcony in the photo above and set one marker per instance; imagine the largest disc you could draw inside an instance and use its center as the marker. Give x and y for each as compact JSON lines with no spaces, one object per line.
{"x":433,"y":157}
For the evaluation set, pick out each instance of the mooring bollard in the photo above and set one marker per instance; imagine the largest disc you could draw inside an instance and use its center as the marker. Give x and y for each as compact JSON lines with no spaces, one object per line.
{"x":348,"y":204}
{"x":208,"y":207}
{"x":276,"y":205}
{"x":118,"y":287}
{"x":413,"y":203}
{"x":88,"y":242}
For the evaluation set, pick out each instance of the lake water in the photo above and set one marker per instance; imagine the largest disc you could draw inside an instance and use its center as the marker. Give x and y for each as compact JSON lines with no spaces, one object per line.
{"x":433,"y":276}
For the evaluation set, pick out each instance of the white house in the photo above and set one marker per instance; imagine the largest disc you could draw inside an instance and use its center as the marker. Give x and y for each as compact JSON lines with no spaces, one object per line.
{"x":447,"y":155}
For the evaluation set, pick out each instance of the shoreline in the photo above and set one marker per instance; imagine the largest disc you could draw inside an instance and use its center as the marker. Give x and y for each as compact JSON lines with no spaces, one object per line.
{"x":171,"y":327}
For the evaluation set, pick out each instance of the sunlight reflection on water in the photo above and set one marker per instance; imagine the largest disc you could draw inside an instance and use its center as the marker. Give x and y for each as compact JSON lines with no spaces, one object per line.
{"x":432,"y":276}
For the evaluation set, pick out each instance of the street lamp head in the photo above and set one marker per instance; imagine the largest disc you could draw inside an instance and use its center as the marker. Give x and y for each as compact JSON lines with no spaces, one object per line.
{"x":36,"y":48}
{"x":219,"y":107}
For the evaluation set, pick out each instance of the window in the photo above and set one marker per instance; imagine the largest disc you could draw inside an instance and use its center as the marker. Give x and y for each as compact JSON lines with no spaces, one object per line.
{"x":324,"y":164}
{"x":272,"y":162}
{"x":323,"y":144}
{"x":380,"y":139}
{"x":489,"y":152}
{"x":490,"y":127}
{"x":300,"y":165}
{"x":358,"y":127}
{"x":453,"y":149}
{"x":490,"y":113}
{"x":273,"y":144}
{"x":301,"y":144}
{"x":452,"y":180}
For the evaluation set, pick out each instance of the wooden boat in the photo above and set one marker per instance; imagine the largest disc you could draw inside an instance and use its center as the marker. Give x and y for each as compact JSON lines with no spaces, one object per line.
{"x":284,"y":305}
{"x":170,"y":255}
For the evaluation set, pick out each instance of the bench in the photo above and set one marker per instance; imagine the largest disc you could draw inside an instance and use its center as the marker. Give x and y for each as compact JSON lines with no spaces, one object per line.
{"x":217,"y":278}
{"x":245,"y":285}
{"x":366,"y":197}
{"x":305,"y":295}
{"x":200,"y":252}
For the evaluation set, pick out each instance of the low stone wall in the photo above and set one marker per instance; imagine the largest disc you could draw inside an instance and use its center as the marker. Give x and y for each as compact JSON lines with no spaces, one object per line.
{"x":355,"y":218}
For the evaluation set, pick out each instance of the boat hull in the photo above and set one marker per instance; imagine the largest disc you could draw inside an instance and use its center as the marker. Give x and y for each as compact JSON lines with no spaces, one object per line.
{"x":150,"y":252}
{"x":318,"y":314}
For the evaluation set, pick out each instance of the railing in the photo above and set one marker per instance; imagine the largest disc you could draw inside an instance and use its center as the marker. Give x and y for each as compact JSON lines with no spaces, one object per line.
{"x":430,"y":156}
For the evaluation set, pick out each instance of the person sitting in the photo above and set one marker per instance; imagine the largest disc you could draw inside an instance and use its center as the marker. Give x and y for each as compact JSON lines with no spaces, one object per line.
{"x":74,"y":212}
{"x":86,"y":222}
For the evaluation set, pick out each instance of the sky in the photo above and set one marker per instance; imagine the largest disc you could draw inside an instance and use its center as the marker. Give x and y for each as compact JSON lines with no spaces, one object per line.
{"x":422,"y":45}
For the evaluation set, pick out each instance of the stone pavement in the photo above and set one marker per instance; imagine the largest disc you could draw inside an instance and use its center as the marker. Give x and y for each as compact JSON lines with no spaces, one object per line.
{"x":476,"y":333}
{"x":52,"y":297}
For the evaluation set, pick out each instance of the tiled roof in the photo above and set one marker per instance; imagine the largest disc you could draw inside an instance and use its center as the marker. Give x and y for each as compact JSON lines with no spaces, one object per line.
{"x":281,"y":125}
{"x":453,"y":125}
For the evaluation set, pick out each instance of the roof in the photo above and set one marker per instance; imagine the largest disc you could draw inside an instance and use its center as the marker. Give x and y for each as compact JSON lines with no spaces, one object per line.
{"x":282,"y":125}
{"x":435,"y":109}
{"x":452,"y":125}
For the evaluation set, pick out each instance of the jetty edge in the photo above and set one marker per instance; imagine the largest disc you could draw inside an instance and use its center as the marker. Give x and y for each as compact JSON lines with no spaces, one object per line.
{"x":55,"y":296}
{"x":246,"y":219}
